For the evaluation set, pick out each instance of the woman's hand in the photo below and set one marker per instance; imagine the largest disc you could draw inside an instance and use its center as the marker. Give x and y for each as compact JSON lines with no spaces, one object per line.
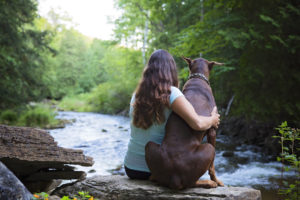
{"x":215,"y":118}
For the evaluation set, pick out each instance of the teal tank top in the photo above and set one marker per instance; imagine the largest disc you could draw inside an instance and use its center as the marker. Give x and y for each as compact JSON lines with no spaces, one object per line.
{"x":135,"y":156}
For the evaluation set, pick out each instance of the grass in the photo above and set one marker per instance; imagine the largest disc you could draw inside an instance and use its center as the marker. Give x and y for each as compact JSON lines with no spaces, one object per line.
{"x":39,"y":115}
{"x":77,"y":103}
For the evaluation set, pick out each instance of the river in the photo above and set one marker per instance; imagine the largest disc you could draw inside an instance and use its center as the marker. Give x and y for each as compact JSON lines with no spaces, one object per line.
{"x":105,"y":138}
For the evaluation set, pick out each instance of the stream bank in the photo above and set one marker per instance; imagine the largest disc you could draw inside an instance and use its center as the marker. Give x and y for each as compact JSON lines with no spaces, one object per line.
{"x":105,"y":138}
{"x":252,"y":132}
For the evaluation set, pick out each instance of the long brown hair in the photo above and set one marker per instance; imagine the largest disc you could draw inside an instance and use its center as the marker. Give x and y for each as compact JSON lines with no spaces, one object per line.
{"x":153,"y":92}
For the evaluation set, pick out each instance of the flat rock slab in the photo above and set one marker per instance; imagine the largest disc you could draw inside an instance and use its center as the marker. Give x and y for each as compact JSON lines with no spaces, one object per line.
{"x":35,"y":158}
{"x":123,"y":188}
{"x":37,"y":145}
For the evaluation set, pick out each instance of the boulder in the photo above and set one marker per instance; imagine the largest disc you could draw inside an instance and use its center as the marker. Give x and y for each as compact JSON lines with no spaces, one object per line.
{"x":123,"y":188}
{"x":36,"y":159}
{"x":11,"y":187}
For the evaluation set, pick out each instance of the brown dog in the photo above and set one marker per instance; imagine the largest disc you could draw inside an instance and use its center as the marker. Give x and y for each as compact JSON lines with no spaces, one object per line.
{"x":181,"y":159}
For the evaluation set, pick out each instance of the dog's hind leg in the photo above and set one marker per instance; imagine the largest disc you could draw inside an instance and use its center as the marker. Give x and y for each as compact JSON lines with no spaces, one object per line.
{"x":175,"y":182}
{"x":211,"y":138}
{"x":154,"y":160}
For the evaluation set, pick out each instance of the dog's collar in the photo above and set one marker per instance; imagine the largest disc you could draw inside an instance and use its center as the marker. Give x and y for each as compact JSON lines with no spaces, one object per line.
{"x":199,"y":75}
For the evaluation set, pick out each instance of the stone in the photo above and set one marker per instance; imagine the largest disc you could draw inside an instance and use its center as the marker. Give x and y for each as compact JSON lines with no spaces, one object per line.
{"x":92,"y":171}
{"x":228,"y":154}
{"x":31,"y":144}
{"x":36,"y":159}
{"x":122,"y":188}
{"x":11,"y":188}
{"x":251,"y":132}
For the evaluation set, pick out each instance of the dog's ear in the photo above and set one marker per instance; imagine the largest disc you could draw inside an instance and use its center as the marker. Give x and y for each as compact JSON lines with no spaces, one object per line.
{"x":187,"y":60}
{"x":212,"y":63}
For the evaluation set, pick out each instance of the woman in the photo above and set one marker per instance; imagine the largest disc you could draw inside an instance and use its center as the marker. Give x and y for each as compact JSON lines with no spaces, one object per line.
{"x":155,"y":97}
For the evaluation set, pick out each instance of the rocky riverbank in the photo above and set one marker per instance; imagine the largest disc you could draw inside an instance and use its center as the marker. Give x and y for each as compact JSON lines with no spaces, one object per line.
{"x":34,"y":157}
{"x":120,"y":187}
{"x":252,"y":132}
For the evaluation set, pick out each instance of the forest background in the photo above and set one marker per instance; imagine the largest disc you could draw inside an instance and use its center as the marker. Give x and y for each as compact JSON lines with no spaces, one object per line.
{"x":258,"y":41}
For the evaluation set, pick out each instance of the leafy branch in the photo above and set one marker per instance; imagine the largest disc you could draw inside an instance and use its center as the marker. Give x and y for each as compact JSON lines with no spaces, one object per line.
{"x":288,"y":139}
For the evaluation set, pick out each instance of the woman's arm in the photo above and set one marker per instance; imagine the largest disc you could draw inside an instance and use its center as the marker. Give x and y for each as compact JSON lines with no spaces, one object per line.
{"x":186,"y":111}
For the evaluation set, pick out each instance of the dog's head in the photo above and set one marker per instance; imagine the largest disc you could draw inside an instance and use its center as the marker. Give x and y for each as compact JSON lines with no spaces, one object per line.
{"x":200,"y":65}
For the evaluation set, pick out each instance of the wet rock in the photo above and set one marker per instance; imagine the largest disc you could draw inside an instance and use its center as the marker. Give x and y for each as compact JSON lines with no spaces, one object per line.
{"x":104,"y":130}
{"x":242,"y":160}
{"x":11,"y":188}
{"x":120,"y":127}
{"x":92,"y":171}
{"x":228,"y":154}
{"x":124,"y":112}
{"x":121,"y":187}
{"x":119,"y":170}
{"x":82,"y":146}
{"x":34,"y":157}
{"x":250,"y":132}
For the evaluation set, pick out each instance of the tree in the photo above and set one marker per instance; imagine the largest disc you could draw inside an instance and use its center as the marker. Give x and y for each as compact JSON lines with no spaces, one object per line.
{"x":166,"y":19}
{"x":258,"y":41}
{"x":261,"y":44}
{"x":21,"y":45}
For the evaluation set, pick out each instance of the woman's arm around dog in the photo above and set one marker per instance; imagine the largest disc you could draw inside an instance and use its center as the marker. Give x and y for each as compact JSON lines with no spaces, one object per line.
{"x":186,"y":111}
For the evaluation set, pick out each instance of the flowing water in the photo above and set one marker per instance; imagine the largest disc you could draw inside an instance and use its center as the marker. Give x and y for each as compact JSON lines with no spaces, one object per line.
{"x":105,"y":138}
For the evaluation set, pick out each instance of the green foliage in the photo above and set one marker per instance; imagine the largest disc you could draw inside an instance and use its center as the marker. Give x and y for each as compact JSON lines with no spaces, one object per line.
{"x":165,"y":19}
{"x":264,"y":64}
{"x":66,"y":67}
{"x":8,"y":117}
{"x":40,"y":196}
{"x":21,"y":47}
{"x":77,"y":103}
{"x":289,"y":140}
{"x":40,"y":59}
{"x":82,"y":195}
{"x":123,"y":68}
{"x":38,"y":116}
{"x":258,"y":44}
{"x":76,"y":67}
